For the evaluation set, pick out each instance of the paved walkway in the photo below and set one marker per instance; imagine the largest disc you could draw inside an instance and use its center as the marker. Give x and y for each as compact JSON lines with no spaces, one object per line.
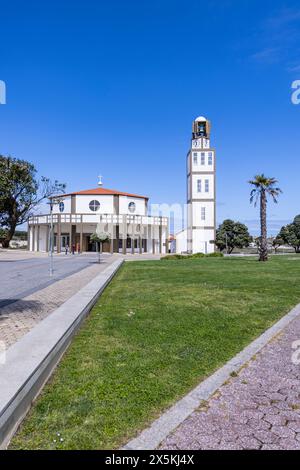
{"x":23,"y":273}
{"x":18,"y":317}
{"x":258,"y":409}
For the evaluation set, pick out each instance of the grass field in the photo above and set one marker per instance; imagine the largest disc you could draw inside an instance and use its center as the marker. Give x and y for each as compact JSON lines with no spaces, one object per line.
{"x":156,"y":332}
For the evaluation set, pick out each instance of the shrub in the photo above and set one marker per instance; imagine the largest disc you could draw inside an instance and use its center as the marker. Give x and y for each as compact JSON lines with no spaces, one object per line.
{"x":168,"y":257}
{"x":194,"y":256}
{"x":216,"y":254}
{"x":197,"y":255}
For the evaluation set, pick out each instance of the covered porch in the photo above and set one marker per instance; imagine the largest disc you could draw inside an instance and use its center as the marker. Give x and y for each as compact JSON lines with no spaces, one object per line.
{"x":127,"y":233}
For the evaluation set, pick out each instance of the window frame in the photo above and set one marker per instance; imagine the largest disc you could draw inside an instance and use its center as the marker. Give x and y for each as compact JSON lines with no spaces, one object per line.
{"x":95,"y":204}
{"x":206,"y":186}
{"x":132,"y":203}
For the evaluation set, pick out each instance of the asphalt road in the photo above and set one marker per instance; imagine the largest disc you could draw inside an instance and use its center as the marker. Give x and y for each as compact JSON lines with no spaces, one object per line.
{"x":22,"y":277}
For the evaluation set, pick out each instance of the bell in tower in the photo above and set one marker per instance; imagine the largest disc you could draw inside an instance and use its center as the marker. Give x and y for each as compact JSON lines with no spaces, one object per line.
{"x":201,"y":128}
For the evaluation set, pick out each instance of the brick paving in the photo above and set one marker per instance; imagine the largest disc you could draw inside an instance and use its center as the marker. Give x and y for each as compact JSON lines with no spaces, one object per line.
{"x":258,"y":409}
{"x":20,"y":317}
{"x":22,"y":274}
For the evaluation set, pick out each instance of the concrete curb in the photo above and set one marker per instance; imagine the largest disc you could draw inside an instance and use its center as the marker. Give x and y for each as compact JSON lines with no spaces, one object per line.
{"x":30,"y":362}
{"x":151,"y":437}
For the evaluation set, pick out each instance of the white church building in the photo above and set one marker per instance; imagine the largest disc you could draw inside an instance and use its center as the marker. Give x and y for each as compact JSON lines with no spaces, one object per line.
{"x":124,"y":216}
{"x":76,"y":216}
{"x":201,"y":193}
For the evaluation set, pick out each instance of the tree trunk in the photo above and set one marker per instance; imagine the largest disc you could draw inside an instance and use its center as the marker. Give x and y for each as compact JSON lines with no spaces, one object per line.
{"x":5,"y":243}
{"x":10,"y":233}
{"x":263,"y":252}
{"x":99,"y":250}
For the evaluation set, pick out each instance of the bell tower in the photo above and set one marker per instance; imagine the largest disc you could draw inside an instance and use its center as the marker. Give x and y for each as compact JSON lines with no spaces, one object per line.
{"x":201,"y":189}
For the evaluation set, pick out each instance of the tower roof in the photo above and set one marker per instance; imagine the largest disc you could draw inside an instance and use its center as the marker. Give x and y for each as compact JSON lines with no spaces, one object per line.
{"x":200,"y":119}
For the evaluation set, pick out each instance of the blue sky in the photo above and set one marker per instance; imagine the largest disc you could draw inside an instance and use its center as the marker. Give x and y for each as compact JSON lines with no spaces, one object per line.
{"x":112,"y":88}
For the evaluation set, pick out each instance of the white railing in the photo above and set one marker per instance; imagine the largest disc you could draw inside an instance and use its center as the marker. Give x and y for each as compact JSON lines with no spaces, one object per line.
{"x":97,"y":218}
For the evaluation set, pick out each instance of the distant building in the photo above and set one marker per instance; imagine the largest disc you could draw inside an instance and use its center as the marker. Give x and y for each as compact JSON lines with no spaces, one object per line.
{"x":181,"y":241}
{"x":124,"y":216}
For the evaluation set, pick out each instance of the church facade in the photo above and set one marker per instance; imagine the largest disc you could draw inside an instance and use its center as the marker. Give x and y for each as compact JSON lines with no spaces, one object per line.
{"x":76,"y":216}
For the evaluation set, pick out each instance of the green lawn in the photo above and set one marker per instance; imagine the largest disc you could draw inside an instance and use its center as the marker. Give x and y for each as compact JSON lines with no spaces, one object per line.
{"x":156,"y":332}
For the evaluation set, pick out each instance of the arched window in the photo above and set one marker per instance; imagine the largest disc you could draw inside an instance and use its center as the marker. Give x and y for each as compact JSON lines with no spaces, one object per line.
{"x":94,"y":205}
{"x":61,"y":207}
{"x":131,"y":207}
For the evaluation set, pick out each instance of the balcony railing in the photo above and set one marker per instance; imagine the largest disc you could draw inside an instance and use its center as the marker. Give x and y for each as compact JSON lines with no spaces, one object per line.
{"x":97,"y":218}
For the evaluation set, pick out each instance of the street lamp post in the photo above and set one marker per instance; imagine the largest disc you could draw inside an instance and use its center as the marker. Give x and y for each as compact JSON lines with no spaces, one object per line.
{"x":51,"y":239}
{"x":52,"y":202}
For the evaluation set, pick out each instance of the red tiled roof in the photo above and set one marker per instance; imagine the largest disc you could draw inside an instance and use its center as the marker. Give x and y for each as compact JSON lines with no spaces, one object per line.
{"x":103,"y":191}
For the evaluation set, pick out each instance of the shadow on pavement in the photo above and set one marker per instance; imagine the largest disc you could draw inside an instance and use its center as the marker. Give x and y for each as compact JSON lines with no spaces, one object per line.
{"x":20,"y":306}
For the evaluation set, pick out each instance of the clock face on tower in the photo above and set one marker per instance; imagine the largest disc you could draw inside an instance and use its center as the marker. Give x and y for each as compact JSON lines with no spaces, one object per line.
{"x":196,"y":143}
{"x":205,"y":143}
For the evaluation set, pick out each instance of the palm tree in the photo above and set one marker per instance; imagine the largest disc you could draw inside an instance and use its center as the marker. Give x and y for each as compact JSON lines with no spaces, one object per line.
{"x":263,"y":187}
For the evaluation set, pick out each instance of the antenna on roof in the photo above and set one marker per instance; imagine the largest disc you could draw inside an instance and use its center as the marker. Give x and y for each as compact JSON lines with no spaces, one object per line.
{"x":100,"y":183}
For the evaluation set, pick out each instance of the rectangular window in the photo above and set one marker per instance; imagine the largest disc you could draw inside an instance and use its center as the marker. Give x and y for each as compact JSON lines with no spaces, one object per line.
{"x":206,"y":186}
{"x":195,"y":158}
{"x":210,"y":158}
{"x":199,"y":186}
{"x":202,"y":158}
{"x":202,"y":213}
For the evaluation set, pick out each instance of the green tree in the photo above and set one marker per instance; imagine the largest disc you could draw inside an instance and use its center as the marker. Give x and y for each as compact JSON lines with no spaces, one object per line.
{"x":232,"y":235}
{"x":290,"y":234}
{"x":99,"y":238}
{"x":21,"y":193}
{"x":277,"y":242}
{"x":263,"y":187}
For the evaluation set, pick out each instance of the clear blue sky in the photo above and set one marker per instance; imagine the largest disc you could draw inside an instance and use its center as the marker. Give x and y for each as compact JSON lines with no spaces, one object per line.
{"x":112,"y":88}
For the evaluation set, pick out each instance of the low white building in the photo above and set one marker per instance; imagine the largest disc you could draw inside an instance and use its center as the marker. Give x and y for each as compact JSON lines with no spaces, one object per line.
{"x":181,"y":242}
{"x":75,"y":217}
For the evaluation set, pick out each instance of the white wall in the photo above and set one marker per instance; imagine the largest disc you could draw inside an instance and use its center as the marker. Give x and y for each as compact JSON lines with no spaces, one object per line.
{"x":203,"y":194}
{"x":181,"y":241}
{"x":201,"y":239}
{"x":106,"y":204}
{"x":35,"y":241}
{"x":67,"y":209}
{"x":31,"y":232}
{"x":43,"y":238}
{"x":198,"y":166}
{"x":209,"y":214}
{"x":140,"y":205}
